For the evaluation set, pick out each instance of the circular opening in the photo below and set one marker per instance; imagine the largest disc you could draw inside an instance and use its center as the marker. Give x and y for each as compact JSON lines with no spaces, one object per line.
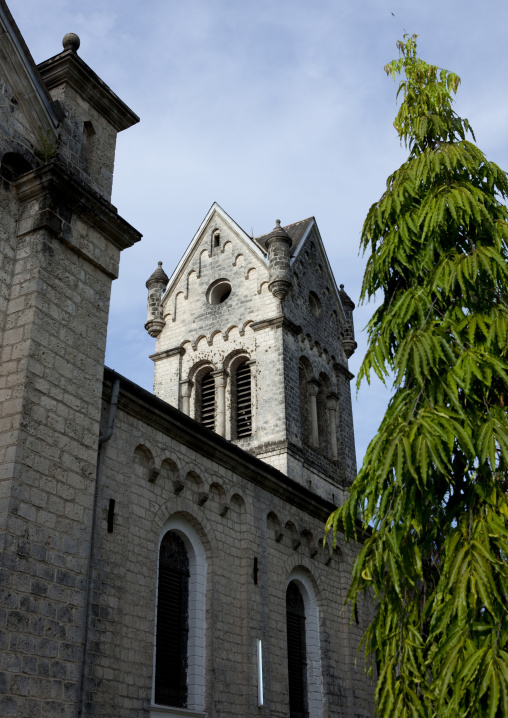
{"x":315,"y":304}
{"x":218,"y":291}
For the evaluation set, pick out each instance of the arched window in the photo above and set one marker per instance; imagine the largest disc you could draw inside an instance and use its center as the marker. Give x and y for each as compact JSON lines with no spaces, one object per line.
{"x":207,"y":407}
{"x":13,"y":166}
{"x":172,"y":623}
{"x":304,"y":374}
{"x":297,"y":654}
{"x":322,"y":415}
{"x":216,"y":239}
{"x":180,"y":631}
{"x":243,"y":404}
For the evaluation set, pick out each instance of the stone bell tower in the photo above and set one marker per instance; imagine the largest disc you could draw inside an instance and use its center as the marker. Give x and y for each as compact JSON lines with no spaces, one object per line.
{"x":60,"y":250}
{"x":252,"y":339}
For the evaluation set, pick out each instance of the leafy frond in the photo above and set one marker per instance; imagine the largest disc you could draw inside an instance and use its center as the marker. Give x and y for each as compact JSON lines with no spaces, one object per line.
{"x":431,"y":495}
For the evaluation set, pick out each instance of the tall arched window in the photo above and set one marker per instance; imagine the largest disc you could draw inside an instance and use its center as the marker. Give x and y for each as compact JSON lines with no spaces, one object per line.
{"x":207,"y":408}
{"x":243,"y":395}
{"x":172,"y":623}
{"x":297,"y":654}
{"x":180,"y":631}
{"x":304,"y":374}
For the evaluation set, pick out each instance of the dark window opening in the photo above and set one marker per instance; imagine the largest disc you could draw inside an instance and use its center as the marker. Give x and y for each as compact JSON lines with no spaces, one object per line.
{"x":297,"y":658}
{"x":13,"y":166}
{"x":243,"y":401}
{"x":208,"y":401}
{"x":224,"y":296}
{"x":216,"y":240}
{"x":172,"y":623}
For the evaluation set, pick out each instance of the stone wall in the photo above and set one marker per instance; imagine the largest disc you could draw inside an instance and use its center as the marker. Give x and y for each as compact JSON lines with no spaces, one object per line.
{"x":159,"y":465}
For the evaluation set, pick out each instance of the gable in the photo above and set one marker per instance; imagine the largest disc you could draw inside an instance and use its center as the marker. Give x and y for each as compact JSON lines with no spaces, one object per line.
{"x":311,"y":244}
{"x":201,"y":244}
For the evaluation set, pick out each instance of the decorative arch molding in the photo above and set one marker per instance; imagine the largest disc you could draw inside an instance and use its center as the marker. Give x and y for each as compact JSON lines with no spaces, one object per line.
{"x":227,"y":332}
{"x":179,"y":298}
{"x":214,"y":334}
{"x":237,"y":356}
{"x":274,"y":526}
{"x":308,"y":588}
{"x":144,"y":463}
{"x":245,"y":326}
{"x":186,"y":529}
{"x":200,"y":368}
{"x":202,"y":258}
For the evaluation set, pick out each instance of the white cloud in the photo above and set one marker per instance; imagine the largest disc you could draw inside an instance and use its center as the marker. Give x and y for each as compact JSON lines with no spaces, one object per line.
{"x":274,"y":108}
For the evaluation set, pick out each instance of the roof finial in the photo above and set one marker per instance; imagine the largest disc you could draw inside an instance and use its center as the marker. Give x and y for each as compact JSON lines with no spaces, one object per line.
{"x":277,"y":222}
{"x":71,"y":42}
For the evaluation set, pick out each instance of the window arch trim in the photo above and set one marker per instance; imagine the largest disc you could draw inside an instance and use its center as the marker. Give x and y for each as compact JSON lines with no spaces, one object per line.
{"x":312,"y":640}
{"x":196,"y":641}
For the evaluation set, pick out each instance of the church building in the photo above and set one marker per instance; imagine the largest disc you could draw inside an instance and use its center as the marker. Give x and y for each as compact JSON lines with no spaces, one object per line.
{"x":162,"y":554}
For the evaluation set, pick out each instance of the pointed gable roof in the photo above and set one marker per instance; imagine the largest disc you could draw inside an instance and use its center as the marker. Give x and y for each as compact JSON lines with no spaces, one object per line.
{"x":297,"y":231}
{"x":215,"y":209}
{"x":23,"y":77}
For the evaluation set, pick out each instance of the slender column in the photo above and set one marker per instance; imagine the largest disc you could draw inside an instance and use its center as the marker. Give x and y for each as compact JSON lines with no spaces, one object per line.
{"x":185,"y":392}
{"x":331,"y":404}
{"x":220,"y":395}
{"x":313,"y":387}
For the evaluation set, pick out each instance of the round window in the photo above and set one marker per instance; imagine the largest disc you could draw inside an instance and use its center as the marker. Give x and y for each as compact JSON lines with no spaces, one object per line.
{"x":218,"y":291}
{"x":315,"y":304}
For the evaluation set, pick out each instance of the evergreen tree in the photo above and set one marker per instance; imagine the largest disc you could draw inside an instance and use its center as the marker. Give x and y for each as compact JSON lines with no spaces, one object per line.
{"x":433,"y":485}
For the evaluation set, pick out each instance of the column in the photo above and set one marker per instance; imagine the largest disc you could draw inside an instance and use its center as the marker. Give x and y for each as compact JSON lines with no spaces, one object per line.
{"x":185,"y":392}
{"x":331,"y":405}
{"x":220,"y":395}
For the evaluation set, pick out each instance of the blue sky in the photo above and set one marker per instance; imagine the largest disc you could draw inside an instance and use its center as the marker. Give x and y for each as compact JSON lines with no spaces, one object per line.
{"x":273,"y":109}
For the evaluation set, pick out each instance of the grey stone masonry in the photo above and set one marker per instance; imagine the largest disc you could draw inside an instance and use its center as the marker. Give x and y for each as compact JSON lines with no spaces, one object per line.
{"x":60,"y":249}
{"x":273,"y":302}
{"x":161,"y":466}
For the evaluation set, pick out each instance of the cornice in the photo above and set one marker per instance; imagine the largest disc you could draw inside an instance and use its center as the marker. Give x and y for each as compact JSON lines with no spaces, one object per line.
{"x":342,"y":369}
{"x":176,"y":351}
{"x":277,"y":323}
{"x":54,"y":183}
{"x":68,"y":68}
{"x":159,"y":415}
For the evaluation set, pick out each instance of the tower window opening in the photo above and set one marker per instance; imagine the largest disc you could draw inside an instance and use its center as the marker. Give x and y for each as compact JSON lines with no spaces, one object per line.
{"x":216,"y":239}
{"x":208,"y":401}
{"x":172,"y":623}
{"x":243,"y":401}
{"x":297,"y":653}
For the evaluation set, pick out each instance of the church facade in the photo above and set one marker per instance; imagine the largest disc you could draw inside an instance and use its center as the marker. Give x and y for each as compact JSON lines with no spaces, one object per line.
{"x":161,"y":554}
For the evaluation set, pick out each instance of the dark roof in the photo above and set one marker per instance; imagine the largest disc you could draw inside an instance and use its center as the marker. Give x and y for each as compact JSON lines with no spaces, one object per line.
{"x":295,"y":231}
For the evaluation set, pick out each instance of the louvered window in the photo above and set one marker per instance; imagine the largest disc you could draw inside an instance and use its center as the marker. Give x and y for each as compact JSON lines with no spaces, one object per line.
{"x":208,"y":401}
{"x":243,"y":401}
{"x":297,"y":659}
{"x":172,"y":623}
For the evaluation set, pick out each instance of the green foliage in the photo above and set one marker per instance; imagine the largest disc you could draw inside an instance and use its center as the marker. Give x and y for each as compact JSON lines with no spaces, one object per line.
{"x":433,"y":486}
{"x":46,"y":146}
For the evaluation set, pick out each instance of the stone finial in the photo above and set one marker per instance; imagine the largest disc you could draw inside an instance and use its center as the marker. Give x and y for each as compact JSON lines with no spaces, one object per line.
{"x":71,"y":42}
{"x":159,"y":276}
{"x":348,"y":342}
{"x":278,"y":245}
{"x":278,"y":232}
{"x":345,"y":298}
{"x":156,"y":284}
